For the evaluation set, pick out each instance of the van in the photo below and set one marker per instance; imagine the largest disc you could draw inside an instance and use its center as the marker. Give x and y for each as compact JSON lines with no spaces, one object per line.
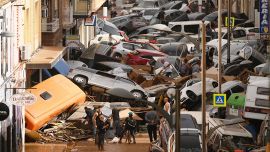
{"x":54,"y":96}
{"x":229,"y":137}
{"x":191,"y":27}
{"x":257,"y":104}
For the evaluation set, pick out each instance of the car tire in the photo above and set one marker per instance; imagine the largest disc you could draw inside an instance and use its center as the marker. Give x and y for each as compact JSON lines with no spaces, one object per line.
{"x":117,"y":56}
{"x":137,"y":94}
{"x":81,"y":80}
{"x":192,"y":95}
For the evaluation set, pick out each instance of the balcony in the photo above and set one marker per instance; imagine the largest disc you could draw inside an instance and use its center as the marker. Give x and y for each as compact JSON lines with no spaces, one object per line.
{"x":50,"y":27}
{"x":3,"y":2}
{"x":51,"y":32}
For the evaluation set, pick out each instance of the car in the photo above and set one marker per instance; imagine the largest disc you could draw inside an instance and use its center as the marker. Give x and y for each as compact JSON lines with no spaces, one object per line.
{"x":151,"y":38}
{"x":196,"y":16}
{"x":105,"y":39}
{"x":107,"y":66}
{"x":239,"y":18}
{"x":123,"y":48}
{"x":174,"y":49}
{"x":148,"y":4}
{"x":91,"y":77}
{"x":190,"y":135}
{"x":189,"y":27}
{"x":228,"y":135}
{"x":148,"y":13}
{"x":240,"y":33}
{"x":229,"y":88}
{"x":159,"y":29}
{"x":74,"y":64}
{"x":173,"y":5}
{"x":172,"y":15}
{"x":104,"y":27}
{"x":129,"y":23}
{"x":164,"y":40}
{"x":142,"y":56}
{"x":191,"y":92}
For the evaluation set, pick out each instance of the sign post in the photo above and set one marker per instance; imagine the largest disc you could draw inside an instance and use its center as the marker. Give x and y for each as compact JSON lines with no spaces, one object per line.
{"x":264,"y":20}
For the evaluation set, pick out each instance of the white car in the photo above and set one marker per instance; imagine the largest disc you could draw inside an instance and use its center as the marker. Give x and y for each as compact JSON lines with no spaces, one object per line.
{"x":105,"y":38}
{"x":193,"y":88}
{"x":124,"y":48}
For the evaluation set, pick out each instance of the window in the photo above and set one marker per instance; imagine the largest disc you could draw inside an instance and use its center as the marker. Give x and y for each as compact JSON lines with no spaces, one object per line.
{"x":177,"y":28}
{"x":215,"y":84}
{"x":262,"y":102}
{"x":255,"y":30}
{"x":147,"y":46}
{"x":191,"y":28}
{"x":238,"y":33}
{"x":177,"y":6}
{"x":263,"y":91}
{"x":228,"y":94}
{"x":237,"y":89}
{"x":45,"y":95}
{"x":128,"y":46}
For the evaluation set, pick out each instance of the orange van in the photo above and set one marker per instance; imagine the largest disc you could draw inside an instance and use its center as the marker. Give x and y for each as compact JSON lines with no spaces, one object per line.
{"x":54,"y":96}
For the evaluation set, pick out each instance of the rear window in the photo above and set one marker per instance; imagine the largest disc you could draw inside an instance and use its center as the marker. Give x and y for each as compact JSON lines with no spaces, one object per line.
{"x":262,"y":103}
{"x":150,"y":12}
{"x":177,"y":28}
{"x":237,"y":89}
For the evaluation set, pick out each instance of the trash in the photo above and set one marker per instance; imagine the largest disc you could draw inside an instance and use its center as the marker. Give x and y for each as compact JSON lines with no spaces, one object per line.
{"x":114,"y":140}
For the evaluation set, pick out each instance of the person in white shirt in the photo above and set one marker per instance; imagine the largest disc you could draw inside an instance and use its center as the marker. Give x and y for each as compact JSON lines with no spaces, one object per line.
{"x":167,"y":106}
{"x":167,"y":69}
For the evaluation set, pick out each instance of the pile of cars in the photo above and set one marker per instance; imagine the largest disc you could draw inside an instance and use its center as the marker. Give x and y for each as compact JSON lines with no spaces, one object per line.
{"x":130,"y":52}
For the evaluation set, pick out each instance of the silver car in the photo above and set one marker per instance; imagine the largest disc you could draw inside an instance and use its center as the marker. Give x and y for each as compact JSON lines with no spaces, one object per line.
{"x":86,"y":76}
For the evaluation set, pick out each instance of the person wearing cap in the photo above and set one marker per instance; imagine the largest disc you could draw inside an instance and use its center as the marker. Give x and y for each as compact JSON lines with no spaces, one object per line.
{"x":130,"y":125}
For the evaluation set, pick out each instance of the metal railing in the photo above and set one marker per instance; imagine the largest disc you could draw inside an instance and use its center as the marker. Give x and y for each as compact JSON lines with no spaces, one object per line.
{"x":51,"y":26}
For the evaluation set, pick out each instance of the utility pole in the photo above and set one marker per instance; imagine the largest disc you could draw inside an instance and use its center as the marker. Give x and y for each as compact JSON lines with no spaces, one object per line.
{"x":200,"y":6}
{"x":219,"y":47}
{"x":177,"y":122}
{"x":203,"y":66}
{"x":229,"y":32}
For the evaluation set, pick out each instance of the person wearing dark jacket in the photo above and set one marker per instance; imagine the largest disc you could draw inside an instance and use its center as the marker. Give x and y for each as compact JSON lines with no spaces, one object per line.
{"x":152,"y":119}
{"x":130,"y":125}
{"x":102,"y":126}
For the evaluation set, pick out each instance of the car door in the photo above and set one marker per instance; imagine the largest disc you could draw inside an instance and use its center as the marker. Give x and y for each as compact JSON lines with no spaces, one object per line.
{"x":103,"y":80}
{"x":123,"y":83}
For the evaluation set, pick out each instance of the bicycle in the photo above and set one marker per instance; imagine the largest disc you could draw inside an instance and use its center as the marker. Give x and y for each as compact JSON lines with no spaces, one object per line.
{"x":128,"y":137}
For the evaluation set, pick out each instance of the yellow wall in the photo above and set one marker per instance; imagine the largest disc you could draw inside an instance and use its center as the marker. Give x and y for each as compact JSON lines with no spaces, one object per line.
{"x":32,"y":25}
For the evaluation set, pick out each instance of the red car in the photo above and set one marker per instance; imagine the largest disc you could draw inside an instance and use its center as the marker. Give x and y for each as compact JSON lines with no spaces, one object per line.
{"x":142,"y":56}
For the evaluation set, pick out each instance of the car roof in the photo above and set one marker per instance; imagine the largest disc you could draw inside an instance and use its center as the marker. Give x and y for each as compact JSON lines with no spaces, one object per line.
{"x":225,"y":86}
{"x":189,"y":141}
{"x":187,"y":121}
{"x":234,"y":130}
{"x":188,"y":22}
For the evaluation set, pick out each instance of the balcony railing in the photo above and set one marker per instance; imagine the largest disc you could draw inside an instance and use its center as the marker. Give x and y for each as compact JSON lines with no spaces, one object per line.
{"x":51,"y":27}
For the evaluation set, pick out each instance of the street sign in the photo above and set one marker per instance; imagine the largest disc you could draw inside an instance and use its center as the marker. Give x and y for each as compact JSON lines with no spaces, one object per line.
{"x":232,"y":22}
{"x":24,"y":98}
{"x":219,"y":100}
{"x":264,"y":20}
{"x":4,"y":111}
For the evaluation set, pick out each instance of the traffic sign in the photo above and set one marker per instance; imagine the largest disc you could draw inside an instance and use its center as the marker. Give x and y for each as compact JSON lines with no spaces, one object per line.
{"x":219,"y":100}
{"x":232,"y":20}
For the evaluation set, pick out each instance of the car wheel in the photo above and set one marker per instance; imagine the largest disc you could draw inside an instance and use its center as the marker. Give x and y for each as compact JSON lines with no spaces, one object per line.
{"x":117,"y":56}
{"x":80,"y":80}
{"x":137,"y":94}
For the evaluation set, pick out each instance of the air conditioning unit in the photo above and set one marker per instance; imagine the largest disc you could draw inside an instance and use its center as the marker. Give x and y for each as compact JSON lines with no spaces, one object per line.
{"x":25,"y":53}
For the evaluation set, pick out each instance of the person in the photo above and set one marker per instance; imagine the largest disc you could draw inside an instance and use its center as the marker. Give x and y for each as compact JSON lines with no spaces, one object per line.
{"x":167,"y":69}
{"x":94,"y":121}
{"x":185,"y":68}
{"x":209,"y":58}
{"x":124,"y":11}
{"x":161,"y":16}
{"x":167,"y":105}
{"x":196,"y":67}
{"x":116,"y":122}
{"x":102,"y":126}
{"x":130,"y":125}
{"x":89,"y":114}
{"x":152,"y":118}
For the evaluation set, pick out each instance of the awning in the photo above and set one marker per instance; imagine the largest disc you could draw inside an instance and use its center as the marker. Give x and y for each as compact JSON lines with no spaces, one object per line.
{"x":46,"y":57}
{"x":96,"y":4}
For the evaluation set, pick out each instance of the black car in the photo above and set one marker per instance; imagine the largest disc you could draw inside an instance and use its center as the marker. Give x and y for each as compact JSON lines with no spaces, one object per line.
{"x":172,"y":15}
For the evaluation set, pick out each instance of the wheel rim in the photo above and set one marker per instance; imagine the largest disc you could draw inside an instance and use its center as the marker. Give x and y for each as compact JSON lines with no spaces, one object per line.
{"x":79,"y":80}
{"x":137,"y":95}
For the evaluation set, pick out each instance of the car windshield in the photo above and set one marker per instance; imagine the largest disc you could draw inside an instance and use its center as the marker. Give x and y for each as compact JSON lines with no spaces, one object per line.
{"x":150,"y":12}
{"x":147,"y":4}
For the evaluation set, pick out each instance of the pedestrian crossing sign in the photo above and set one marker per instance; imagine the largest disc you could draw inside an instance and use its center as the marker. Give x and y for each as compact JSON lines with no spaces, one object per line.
{"x":219,"y":100}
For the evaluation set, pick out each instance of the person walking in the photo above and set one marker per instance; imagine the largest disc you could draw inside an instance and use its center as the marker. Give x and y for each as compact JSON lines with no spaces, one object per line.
{"x":152,"y":119}
{"x":102,"y":126}
{"x":94,"y":122}
{"x":130,"y":125}
{"x":167,"y":105}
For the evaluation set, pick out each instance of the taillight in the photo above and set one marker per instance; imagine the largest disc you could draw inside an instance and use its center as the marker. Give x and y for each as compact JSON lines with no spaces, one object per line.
{"x":153,"y":41}
{"x":255,"y":110}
